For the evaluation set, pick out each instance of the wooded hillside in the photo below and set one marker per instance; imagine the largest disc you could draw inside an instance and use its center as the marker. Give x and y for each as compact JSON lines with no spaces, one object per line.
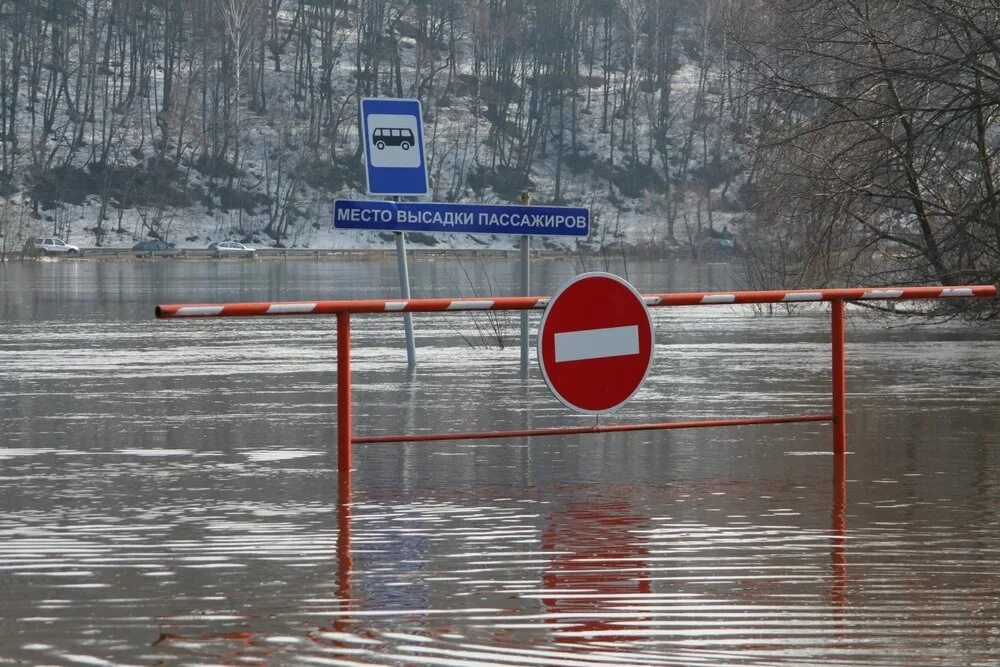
{"x":846,"y":140}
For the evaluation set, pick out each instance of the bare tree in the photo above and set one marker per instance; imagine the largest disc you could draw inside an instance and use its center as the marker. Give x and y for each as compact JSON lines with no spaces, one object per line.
{"x":241,"y":19}
{"x":877,"y":159}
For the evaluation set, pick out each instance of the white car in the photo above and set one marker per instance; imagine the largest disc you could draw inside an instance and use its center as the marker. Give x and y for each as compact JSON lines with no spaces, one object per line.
{"x":232,"y":249}
{"x":38,"y":245}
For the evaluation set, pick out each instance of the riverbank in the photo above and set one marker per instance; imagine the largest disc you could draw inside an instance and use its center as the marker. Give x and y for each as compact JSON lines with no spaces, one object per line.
{"x":353,"y":254}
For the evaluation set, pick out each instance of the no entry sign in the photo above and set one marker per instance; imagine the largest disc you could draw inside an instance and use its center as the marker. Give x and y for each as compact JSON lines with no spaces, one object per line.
{"x":595,"y":343}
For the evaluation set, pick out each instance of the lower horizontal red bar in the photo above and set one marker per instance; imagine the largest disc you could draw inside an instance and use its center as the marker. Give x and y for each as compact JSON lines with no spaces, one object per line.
{"x":574,"y":430}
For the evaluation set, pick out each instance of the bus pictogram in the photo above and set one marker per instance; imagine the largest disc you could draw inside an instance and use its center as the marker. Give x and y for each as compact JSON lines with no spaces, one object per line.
{"x":392,"y":136}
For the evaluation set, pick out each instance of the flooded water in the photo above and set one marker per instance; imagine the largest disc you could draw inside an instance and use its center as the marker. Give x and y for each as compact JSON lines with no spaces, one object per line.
{"x":168,"y":490}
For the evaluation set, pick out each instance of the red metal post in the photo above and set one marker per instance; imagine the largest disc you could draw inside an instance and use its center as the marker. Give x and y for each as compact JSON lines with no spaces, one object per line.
{"x":345,"y":562}
{"x":839,"y":381}
{"x":344,"y":398}
{"x":838,"y":550}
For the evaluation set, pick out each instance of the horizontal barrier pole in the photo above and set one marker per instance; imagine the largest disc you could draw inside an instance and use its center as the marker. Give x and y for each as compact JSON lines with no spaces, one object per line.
{"x":275,"y":308}
{"x":578,"y":430}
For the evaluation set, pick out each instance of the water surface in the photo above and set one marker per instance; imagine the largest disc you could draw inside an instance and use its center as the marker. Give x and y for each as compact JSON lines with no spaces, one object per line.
{"x":168,"y":490}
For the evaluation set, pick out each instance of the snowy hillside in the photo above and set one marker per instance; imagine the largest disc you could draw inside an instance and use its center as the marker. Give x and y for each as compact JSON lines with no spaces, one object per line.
{"x":204,"y":121}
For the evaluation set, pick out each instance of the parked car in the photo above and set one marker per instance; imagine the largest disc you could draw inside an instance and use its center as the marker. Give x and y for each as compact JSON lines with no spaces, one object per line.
{"x":232,"y":249}
{"x":151,"y":246}
{"x":39,"y":245}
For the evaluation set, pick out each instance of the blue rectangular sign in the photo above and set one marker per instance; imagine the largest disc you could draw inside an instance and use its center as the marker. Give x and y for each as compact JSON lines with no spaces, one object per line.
{"x":461,"y":218}
{"x":393,"y":135}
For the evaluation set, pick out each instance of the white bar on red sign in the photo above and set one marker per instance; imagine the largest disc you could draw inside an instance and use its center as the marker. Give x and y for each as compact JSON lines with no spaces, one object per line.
{"x":597,"y":343}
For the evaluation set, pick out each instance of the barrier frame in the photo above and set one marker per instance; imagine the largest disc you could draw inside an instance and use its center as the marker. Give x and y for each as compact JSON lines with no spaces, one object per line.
{"x":344,"y":309}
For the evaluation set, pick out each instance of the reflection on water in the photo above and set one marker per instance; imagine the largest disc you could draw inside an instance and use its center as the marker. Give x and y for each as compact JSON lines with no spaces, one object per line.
{"x":169,"y":489}
{"x":596,"y":557}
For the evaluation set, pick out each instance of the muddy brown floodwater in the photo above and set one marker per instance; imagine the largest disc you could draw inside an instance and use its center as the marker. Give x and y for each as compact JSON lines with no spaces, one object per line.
{"x":168,"y":489}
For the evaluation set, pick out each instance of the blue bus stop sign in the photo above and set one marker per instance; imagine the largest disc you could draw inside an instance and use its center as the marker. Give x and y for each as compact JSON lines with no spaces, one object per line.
{"x":453,"y":218}
{"x":393,"y":132}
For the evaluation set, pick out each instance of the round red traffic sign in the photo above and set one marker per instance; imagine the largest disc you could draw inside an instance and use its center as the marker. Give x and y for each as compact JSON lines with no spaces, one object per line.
{"x":595,"y":342}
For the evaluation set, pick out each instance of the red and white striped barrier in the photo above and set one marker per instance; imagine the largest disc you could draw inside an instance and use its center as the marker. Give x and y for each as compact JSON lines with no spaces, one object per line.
{"x":275,"y":308}
{"x":344,"y":309}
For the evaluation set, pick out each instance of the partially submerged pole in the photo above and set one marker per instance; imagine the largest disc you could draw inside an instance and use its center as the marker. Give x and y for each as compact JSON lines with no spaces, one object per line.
{"x":404,"y":292}
{"x":344,"y":400}
{"x":838,"y":536}
{"x":839,"y":377}
{"x":525,"y":288}
{"x":404,"y":289}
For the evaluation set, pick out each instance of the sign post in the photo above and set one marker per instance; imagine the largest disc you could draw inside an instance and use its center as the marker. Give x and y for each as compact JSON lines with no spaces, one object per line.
{"x":404,"y":291}
{"x":392,"y":132}
{"x":595,"y":343}
{"x":525,"y":288}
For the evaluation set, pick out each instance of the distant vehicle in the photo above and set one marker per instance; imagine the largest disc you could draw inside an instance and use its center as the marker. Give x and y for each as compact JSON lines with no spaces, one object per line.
{"x":151,"y":246}
{"x":38,"y":245}
{"x":392,"y":136}
{"x":232,"y":249}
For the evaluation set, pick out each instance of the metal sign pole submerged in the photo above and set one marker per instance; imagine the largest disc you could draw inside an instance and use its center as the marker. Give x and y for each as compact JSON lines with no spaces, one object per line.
{"x":404,"y":290}
{"x":525,"y":288}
